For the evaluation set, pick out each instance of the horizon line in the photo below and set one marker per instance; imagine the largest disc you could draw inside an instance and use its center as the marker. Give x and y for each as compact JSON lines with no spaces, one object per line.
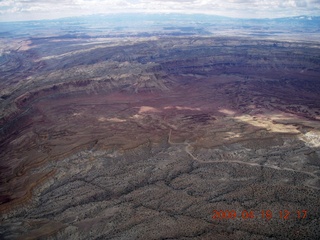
{"x":159,"y":13}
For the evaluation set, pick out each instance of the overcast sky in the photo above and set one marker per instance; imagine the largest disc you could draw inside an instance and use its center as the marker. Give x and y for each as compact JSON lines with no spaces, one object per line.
{"x":11,"y":10}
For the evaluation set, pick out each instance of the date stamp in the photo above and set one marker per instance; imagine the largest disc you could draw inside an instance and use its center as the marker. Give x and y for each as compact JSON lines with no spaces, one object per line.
{"x":262,"y":214}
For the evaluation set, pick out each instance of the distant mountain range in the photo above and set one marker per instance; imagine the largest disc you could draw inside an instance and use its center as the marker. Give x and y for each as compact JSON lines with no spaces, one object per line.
{"x":185,"y":24}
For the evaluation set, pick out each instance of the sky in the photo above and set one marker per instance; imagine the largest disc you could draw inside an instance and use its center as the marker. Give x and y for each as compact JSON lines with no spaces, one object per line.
{"x":12,"y":10}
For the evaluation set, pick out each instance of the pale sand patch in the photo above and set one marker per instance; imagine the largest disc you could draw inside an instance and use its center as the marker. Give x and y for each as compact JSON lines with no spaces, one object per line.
{"x":103,"y":119}
{"x":145,"y":109}
{"x":312,"y":138}
{"x":136,"y":116}
{"x":116,"y":120}
{"x":188,"y":108}
{"x":269,"y":123}
{"x":227,"y":111}
{"x":231,"y":135}
{"x":182,"y":108}
{"x":25,"y":45}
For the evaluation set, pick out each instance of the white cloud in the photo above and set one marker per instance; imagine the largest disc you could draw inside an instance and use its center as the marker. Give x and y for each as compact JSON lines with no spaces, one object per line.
{"x":236,"y":8}
{"x":6,"y":3}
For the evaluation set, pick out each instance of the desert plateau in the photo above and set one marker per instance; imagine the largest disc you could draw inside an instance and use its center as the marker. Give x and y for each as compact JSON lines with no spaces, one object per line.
{"x":198,"y":132}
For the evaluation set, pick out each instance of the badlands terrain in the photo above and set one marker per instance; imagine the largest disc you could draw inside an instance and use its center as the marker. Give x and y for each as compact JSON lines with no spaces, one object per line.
{"x":146,"y":137}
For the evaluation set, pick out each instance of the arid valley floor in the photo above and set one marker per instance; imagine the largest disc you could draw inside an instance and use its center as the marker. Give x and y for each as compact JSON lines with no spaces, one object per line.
{"x":145,"y":137}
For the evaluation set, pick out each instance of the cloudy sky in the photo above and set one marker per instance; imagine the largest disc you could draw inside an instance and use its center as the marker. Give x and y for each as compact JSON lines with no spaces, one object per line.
{"x":11,"y":10}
